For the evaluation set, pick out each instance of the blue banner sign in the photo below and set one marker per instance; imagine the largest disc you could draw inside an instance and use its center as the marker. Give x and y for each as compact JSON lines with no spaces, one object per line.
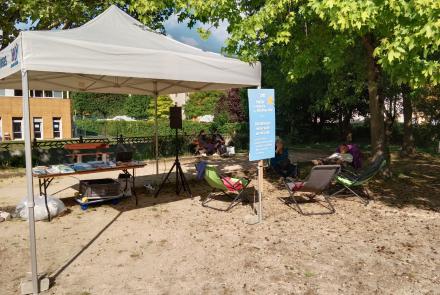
{"x":261,"y":124}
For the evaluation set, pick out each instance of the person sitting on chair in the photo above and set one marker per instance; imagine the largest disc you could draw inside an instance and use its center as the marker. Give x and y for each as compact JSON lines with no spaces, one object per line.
{"x":281,"y":163}
{"x":341,"y":157}
{"x":354,"y":150}
{"x":219,"y":142}
{"x":205,"y":146}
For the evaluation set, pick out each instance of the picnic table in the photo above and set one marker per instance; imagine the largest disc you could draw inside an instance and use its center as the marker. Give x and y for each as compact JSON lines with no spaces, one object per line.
{"x":44,"y":180}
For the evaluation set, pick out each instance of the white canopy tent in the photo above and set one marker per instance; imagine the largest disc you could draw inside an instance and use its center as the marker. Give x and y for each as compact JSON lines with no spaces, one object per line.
{"x":113,"y":53}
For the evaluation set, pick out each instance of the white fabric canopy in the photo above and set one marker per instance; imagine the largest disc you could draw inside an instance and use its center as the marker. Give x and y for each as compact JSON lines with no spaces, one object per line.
{"x":114,"y":53}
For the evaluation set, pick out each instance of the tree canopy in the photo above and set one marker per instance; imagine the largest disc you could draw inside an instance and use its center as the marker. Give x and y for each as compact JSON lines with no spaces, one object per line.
{"x":136,"y":106}
{"x":202,"y":103}
{"x":164,"y":102}
{"x":64,"y":14}
{"x":328,"y":60}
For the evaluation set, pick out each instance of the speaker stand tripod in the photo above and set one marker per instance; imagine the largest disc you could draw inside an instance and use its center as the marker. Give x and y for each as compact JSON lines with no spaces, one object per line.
{"x":181,"y":183}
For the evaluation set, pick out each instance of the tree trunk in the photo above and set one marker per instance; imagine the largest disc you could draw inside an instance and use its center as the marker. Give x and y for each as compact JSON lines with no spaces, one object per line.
{"x":348,"y":132}
{"x":341,"y":125}
{"x":408,"y":147}
{"x":377,"y":126}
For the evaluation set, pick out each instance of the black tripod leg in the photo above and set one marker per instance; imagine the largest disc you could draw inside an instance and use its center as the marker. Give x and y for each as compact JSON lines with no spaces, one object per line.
{"x":184,"y":182}
{"x":163,"y":182}
{"x":177,"y":180}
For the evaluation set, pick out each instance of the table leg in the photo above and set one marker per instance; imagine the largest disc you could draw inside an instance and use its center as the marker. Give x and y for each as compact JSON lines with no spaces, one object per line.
{"x":40,"y":185}
{"x":46,"y":185}
{"x":133,"y":190}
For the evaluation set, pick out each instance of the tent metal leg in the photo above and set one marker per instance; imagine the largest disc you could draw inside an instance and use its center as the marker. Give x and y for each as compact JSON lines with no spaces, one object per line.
{"x":29,"y":181}
{"x":156,"y":129}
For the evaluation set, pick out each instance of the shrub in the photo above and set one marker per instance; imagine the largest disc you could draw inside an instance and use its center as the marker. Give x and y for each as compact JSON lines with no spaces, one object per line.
{"x":146,"y":128}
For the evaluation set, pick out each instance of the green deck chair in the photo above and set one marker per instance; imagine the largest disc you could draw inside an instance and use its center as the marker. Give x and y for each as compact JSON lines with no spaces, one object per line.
{"x":215,"y":181}
{"x":351,"y":181}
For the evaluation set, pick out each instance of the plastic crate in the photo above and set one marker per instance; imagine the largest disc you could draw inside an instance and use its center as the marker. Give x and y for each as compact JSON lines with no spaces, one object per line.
{"x":99,"y":188}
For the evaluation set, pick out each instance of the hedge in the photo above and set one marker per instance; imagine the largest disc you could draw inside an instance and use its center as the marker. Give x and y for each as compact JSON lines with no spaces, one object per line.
{"x":88,"y":127}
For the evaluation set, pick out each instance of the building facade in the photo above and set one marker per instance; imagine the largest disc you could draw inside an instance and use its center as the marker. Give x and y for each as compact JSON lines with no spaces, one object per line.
{"x":50,"y":115}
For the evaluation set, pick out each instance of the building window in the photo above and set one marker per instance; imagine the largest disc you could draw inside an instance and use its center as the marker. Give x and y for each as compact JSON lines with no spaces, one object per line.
{"x":38,"y":128}
{"x":18,"y":92}
{"x":48,"y":93}
{"x":2,"y":92}
{"x":57,"y":128}
{"x":17,"y":128}
{"x":57,"y":94}
{"x":37,"y":93}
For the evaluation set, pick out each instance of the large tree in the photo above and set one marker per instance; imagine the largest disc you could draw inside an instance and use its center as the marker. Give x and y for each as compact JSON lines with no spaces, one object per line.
{"x":231,"y":106}
{"x":64,"y":14}
{"x":399,"y":38}
{"x":9,"y":16}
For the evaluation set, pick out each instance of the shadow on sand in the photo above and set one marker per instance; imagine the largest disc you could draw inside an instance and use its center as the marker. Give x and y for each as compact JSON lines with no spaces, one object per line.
{"x":167,"y":195}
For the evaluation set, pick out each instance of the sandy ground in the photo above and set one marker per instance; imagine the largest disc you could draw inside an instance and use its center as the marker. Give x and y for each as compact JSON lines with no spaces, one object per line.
{"x":173,"y":245}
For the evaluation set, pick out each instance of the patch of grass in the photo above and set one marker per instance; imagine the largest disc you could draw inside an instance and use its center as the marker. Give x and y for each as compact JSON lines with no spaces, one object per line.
{"x":308,"y":274}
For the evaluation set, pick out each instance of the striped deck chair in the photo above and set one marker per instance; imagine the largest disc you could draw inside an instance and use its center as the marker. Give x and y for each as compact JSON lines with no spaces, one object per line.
{"x":233,"y":188}
{"x":316,"y":183}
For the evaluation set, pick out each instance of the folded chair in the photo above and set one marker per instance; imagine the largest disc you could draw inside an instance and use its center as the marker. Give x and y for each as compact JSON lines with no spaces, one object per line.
{"x":318,"y":180}
{"x":232,"y":188}
{"x":350,"y":180}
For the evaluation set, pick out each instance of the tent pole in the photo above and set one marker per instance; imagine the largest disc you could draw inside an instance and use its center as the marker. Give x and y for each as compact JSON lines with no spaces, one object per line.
{"x":156,"y":128}
{"x":29,"y":180}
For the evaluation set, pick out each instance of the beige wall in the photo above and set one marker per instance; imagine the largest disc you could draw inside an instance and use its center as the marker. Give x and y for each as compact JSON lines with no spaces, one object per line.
{"x":45,"y":108}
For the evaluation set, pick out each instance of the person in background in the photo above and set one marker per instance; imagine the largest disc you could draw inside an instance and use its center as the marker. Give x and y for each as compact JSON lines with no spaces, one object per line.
{"x":342,"y":156}
{"x":353,"y":150}
{"x":281,"y":163}
{"x":219,"y":142}
{"x":205,"y":145}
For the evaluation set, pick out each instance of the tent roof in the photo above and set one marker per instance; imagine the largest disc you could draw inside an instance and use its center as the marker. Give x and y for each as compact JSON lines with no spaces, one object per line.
{"x":114,"y":53}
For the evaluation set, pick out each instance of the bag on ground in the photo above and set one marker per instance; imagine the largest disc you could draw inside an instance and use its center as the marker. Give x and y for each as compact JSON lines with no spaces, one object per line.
{"x":55,"y":205}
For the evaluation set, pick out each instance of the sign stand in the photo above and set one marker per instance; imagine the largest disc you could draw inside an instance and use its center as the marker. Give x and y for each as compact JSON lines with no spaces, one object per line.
{"x":260,"y":191}
{"x":262,"y":137}
{"x":254,"y":219}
